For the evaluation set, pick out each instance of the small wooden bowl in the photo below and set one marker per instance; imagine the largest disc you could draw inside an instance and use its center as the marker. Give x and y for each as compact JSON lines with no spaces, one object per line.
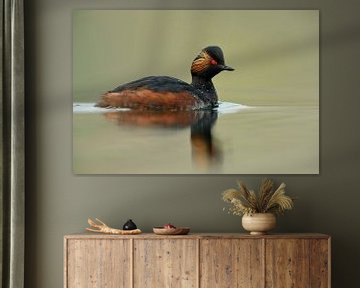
{"x":171,"y":231}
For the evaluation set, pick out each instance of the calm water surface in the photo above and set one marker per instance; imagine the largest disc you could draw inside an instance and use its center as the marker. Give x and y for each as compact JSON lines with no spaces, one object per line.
{"x":233,"y":140}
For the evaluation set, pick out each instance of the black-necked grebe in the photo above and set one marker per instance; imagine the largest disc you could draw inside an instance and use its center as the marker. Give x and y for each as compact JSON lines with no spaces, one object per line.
{"x":168,"y":93}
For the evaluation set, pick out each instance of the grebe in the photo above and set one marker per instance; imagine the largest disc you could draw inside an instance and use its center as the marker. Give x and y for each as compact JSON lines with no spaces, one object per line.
{"x":161,"y":93}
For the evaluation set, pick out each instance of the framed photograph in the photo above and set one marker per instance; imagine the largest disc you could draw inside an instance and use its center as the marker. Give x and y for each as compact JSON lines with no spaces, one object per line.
{"x":251,"y":78}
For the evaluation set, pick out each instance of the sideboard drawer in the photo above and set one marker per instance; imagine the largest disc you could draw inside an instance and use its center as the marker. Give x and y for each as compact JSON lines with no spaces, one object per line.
{"x":165,"y":263}
{"x":231,"y":263}
{"x":297,"y":263}
{"x":98,"y":263}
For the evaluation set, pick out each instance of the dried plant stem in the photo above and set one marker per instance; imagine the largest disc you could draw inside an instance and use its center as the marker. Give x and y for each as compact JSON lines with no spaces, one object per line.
{"x":101,"y":227}
{"x":245,"y":201}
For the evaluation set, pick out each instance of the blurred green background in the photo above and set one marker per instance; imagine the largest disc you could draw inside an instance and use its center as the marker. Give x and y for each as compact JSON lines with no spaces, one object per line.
{"x":275,"y":53}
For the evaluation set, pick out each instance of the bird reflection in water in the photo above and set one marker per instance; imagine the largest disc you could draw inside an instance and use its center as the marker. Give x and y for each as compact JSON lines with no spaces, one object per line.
{"x":205,"y":151}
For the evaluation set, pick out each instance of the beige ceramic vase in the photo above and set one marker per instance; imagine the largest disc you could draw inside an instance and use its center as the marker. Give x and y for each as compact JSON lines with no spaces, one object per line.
{"x":259,"y":223}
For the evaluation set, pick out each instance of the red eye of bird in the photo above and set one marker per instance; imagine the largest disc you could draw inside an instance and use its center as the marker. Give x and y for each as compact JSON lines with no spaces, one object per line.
{"x":213,"y":62}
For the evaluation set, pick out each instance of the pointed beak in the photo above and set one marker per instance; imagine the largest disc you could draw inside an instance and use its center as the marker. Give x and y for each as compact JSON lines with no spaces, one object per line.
{"x":228,"y":68}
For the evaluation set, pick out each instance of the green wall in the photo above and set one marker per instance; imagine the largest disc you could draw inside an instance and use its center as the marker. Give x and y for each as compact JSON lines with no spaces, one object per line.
{"x":58,"y":202}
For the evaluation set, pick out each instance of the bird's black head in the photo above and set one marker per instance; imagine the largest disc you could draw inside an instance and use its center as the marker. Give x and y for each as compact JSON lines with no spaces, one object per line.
{"x":209,"y":62}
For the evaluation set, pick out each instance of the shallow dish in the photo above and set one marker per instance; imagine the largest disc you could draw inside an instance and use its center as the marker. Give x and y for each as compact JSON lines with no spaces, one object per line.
{"x":171,"y":231}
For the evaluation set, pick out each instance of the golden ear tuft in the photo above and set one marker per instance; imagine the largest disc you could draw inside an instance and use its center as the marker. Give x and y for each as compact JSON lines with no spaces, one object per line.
{"x":201,"y":62}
